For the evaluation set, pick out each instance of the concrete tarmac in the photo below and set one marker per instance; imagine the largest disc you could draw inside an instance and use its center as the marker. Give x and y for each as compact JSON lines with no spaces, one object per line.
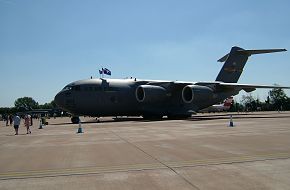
{"x":199,"y":153}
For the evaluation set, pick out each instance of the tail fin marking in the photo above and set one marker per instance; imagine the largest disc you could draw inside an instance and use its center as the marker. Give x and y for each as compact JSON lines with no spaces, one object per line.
{"x":235,"y":62}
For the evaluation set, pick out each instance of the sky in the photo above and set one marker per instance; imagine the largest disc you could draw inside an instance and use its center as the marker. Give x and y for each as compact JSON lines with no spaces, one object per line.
{"x":46,"y":44}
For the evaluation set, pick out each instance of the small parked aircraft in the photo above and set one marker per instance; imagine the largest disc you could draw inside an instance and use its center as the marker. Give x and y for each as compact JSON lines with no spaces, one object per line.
{"x":225,"y":106}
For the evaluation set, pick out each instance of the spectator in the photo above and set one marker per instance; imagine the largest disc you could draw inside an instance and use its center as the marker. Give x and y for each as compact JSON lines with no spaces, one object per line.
{"x":16,"y":122}
{"x":10,"y":119}
{"x":6,"y":119}
{"x":27,"y":123}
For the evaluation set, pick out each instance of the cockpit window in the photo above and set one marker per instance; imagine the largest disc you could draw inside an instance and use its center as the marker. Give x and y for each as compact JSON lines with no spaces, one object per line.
{"x":68,"y":87}
{"x":72,"y":87}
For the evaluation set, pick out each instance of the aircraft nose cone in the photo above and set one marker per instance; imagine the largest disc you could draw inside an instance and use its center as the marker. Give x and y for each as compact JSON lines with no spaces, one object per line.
{"x":59,"y":99}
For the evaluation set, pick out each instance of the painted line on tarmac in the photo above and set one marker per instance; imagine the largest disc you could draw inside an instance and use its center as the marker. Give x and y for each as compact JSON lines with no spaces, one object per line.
{"x":139,"y":167}
{"x":228,"y":160}
{"x":79,"y":171}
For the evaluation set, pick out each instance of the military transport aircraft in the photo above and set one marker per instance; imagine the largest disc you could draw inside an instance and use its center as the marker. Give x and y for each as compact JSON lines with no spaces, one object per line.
{"x":154,"y":99}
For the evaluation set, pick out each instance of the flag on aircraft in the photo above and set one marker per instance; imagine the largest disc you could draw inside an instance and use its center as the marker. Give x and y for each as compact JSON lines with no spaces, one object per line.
{"x":106,"y":71}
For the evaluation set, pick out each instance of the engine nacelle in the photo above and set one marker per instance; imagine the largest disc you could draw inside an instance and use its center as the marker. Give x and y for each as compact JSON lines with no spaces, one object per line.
{"x":196,"y":93}
{"x":150,"y":94}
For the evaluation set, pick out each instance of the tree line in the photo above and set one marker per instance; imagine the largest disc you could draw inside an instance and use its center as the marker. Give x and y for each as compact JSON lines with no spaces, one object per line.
{"x":25,"y":104}
{"x":277,"y":100}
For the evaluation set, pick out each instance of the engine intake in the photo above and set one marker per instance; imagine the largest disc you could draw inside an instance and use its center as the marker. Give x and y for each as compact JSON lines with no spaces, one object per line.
{"x":150,"y":94}
{"x":196,"y":93}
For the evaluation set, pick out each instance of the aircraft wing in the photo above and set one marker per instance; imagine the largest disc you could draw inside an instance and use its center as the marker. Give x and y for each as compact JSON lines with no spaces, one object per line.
{"x":252,"y":85}
{"x":247,"y":87}
{"x":172,"y":85}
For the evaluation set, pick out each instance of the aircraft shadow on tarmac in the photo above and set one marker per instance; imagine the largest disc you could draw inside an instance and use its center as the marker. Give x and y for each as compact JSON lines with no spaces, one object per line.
{"x":113,"y":120}
{"x":193,"y":118}
{"x":237,"y":116}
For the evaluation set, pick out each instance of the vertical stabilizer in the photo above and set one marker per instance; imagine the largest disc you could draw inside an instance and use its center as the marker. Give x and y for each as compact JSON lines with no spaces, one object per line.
{"x":235,"y":62}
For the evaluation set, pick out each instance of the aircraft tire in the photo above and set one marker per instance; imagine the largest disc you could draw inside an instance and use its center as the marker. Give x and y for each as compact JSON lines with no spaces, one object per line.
{"x":152,"y":117}
{"x":178,"y":116}
{"x":75,"y":120}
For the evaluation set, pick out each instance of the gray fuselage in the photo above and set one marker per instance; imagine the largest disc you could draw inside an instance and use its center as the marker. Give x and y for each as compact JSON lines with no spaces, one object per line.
{"x":119,"y":97}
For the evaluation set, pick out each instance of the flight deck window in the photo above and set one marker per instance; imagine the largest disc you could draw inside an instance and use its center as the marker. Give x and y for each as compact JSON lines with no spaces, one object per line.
{"x":67,"y":88}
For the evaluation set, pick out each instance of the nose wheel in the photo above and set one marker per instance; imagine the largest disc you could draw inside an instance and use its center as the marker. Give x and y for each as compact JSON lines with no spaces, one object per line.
{"x":75,"y":120}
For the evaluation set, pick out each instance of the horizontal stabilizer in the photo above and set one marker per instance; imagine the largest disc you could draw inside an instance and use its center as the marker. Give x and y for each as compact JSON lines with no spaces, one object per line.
{"x":252,"y":52}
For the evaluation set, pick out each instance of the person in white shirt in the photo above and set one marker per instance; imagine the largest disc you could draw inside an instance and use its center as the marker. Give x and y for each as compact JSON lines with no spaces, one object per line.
{"x":16,"y":123}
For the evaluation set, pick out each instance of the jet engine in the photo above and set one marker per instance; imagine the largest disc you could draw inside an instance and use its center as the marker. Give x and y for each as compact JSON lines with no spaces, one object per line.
{"x":196,"y":93}
{"x":150,"y":94}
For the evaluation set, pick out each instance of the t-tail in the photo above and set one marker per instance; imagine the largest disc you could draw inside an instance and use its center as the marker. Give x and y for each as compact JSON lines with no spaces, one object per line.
{"x":235,"y":62}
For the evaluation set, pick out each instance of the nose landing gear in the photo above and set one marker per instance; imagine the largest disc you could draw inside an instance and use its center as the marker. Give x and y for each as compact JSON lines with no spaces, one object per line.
{"x":75,"y":119}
